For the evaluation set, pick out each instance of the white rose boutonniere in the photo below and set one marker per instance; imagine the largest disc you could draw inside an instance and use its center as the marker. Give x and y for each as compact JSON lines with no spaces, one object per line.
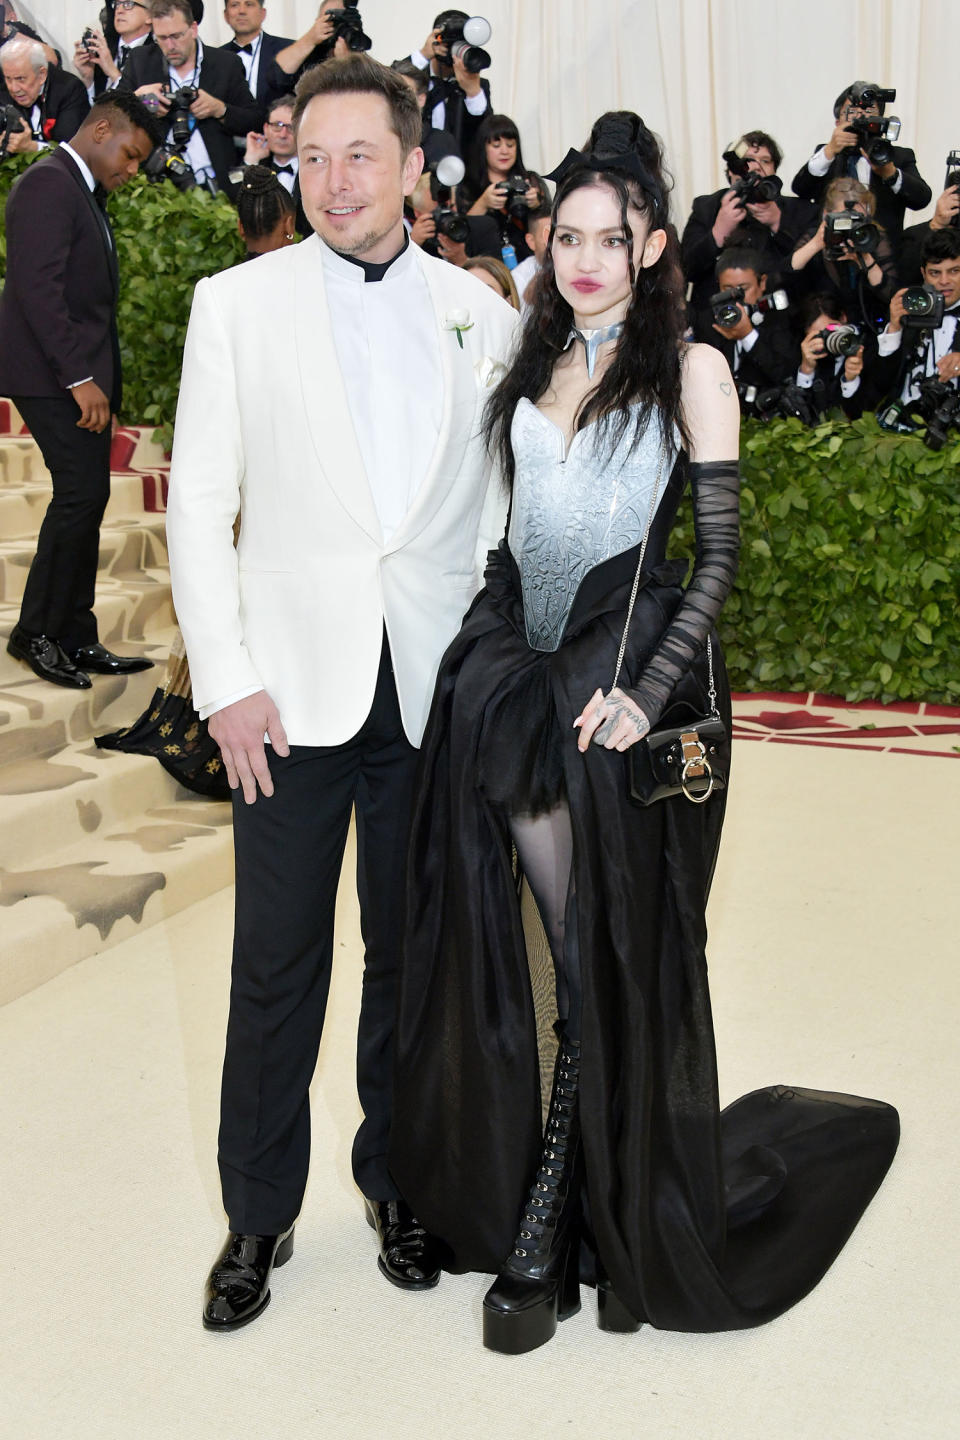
{"x":459,"y":321}
{"x":489,"y":372}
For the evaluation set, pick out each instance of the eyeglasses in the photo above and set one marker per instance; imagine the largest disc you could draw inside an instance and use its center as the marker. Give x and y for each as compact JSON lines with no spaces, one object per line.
{"x":280,"y":125}
{"x":129,"y":5}
{"x":173,"y":39}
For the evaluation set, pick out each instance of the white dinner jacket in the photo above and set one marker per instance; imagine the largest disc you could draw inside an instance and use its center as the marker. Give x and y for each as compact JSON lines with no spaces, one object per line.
{"x":263,"y":427}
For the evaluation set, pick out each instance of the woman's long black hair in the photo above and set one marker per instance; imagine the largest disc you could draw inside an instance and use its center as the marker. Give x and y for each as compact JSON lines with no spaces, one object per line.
{"x":645,"y":368}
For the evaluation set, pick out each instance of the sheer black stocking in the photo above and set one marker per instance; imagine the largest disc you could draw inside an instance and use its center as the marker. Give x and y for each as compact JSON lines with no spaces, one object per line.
{"x":545,"y":850}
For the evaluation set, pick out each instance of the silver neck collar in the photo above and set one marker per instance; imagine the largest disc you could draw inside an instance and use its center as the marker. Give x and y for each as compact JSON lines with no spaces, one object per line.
{"x":592,"y":340}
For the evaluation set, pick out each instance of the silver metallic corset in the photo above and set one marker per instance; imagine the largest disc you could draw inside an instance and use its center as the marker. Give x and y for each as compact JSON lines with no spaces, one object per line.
{"x":573,"y":510}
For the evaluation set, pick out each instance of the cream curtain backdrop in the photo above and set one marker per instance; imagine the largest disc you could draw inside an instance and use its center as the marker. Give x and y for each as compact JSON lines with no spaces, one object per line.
{"x":699,"y":71}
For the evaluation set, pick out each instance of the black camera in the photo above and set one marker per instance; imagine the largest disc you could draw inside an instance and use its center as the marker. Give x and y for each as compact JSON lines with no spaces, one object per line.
{"x":165,"y":163}
{"x":922,"y":308}
{"x":953,"y":178}
{"x":876,"y":134}
{"x":865,"y":93}
{"x":841,"y":339}
{"x":449,"y":172}
{"x":725,"y":305}
{"x":938,"y":406}
{"x":754,"y":189}
{"x":462,"y":40}
{"x":348,"y":26}
{"x":179,"y":116}
{"x":10,"y":122}
{"x":848,"y":229}
{"x":515,"y":188}
{"x":89,"y":50}
{"x":789,"y":402}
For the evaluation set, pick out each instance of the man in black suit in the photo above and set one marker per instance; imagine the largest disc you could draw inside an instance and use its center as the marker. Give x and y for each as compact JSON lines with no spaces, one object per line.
{"x":721,"y":219}
{"x":759,"y":348}
{"x":99,"y":63}
{"x":60,"y":364}
{"x":51,"y":102}
{"x":223,"y":106}
{"x":831,"y":381}
{"x":897,"y":183}
{"x":909,"y":355}
{"x":255,"y":49}
{"x":276,"y":148}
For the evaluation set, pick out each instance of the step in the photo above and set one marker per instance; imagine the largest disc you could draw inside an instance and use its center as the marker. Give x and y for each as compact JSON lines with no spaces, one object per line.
{"x":21,"y":463}
{"x":82,"y":899}
{"x":130,"y":616}
{"x":127,"y":547}
{"x":22,"y":507}
{"x":37,"y":718}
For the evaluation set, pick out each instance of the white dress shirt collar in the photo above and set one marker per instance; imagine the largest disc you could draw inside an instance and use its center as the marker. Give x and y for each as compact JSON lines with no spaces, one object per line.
{"x":81,"y":165}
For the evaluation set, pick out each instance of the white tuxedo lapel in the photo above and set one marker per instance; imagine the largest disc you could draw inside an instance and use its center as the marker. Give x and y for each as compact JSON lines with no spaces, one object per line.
{"x":324,"y":394}
{"x":458,"y":417}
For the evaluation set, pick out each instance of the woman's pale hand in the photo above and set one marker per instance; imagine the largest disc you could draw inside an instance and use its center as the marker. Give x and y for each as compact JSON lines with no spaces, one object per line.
{"x":613,"y":721}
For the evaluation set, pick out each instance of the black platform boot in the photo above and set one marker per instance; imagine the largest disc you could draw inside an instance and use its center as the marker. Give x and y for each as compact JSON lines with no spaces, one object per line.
{"x":539,"y":1283}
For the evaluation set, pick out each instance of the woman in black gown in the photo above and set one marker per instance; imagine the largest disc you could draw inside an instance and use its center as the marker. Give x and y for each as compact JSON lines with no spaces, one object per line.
{"x":683,"y":1216}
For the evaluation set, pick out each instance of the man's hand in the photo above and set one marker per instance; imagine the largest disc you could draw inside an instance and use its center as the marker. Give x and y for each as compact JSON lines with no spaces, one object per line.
{"x":613,"y":721}
{"x":768,"y":213}
{"x":739,"y":331}
{"x":842,"y":138}
{"x":160,"y":94}
{"x":94,"y":406}
{"x":811,"y":349}
{"x":21,"y":142}
{"x":948,"y":366}
{"x":450,"y":250}
{"x":239,"y":730}
{"x":853,"y":365}
{"x":258,"y":149}
{"x":469,"y":83}
{"x":82,"y":63}
{"x":728,"y":218}
{"x":207,"y":107}
{"x":947,"y":207}
{"x":424,"y":228}
{"x":427,"y":49}
{"x":886,"y":171}
{"x":322,"y":28}
{"x":897,"y":311}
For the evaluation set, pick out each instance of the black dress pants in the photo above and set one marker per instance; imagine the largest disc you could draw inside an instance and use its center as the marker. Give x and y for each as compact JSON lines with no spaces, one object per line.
{"x":289,"y":851}
{"x":59,"y":593}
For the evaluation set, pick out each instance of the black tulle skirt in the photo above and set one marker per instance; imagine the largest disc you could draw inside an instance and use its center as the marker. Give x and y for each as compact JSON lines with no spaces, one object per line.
{"x":703,"y":1220}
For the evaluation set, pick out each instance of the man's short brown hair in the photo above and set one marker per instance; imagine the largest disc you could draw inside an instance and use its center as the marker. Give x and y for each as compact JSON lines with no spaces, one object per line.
{"x":163,"y":9}
{"x":359,"y":75}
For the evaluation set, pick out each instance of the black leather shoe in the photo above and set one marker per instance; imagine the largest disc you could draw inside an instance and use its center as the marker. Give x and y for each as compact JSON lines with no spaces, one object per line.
{"x":46,"y":659}
{"x":238,"y":1286}
{"x":409,"y":1257}
{"x":101,"y":661}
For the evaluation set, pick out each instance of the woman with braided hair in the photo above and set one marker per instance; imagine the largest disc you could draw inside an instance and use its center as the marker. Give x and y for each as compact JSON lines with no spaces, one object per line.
{"x":266,"y":213}
{"x":681,"y":1215}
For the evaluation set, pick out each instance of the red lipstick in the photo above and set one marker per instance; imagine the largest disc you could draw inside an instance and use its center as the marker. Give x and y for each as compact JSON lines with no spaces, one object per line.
{"x":586,"y":287}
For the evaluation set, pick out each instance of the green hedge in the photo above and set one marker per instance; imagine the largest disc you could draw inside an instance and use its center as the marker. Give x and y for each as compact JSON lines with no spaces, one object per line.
{"x":166,"y":242}
{"x":850,"y":560}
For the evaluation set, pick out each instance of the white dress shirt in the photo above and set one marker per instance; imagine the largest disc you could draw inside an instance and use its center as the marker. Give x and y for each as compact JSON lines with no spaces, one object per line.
{"x":820,"y":162}
{"x":120,"y":59}
{"x":290,"y":179}
{"x":889,"y":342}
{"x":476,"y":104}
{"x":251,"y":62}
{"x":196,"y":154}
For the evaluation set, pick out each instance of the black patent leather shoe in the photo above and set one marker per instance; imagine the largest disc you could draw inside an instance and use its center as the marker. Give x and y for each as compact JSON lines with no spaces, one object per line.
{"x":101,"y":661}
{"x":409,"y":1257}
{"x":46,"y":659}
{"x":238,"y":1286}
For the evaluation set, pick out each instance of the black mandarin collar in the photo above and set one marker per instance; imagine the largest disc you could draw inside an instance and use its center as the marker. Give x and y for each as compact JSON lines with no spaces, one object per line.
{"x":371,"y":271}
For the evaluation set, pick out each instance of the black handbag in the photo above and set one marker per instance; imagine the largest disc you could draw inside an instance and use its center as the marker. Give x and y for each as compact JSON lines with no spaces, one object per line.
{"x":682,"y":758}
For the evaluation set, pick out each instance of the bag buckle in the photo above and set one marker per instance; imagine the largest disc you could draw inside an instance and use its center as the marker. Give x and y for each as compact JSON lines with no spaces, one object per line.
{"x":696,"y":766}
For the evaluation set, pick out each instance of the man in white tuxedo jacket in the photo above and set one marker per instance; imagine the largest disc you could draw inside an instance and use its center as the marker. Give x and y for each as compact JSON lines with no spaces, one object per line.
{"x":331,"y":394}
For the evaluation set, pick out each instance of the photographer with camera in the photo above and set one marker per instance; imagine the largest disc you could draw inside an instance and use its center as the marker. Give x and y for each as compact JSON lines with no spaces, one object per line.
{"x":848,"y":253}
{"x":39,"y":102}
{"x":337,"y":31}
{"x":946,"y":215}
{"x":98,"y":68}
{"x":458,"y":97}
{"x":199,"y":93}
{"x":749,"y":210}
{"x":749,"y":327}
{"x":831,"y":357}
{"x":921,"y":342}
{"x":498,"y":184}
{"x":439,"y":228}
{"x":862,"y":148}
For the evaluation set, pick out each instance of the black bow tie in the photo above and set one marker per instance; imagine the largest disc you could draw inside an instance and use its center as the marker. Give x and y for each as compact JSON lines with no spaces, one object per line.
{"x":284,"y":169}
{"x":242,"y":49}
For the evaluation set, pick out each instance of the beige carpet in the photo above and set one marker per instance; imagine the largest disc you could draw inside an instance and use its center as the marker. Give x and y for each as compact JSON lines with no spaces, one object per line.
{"x":834,"y":964}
